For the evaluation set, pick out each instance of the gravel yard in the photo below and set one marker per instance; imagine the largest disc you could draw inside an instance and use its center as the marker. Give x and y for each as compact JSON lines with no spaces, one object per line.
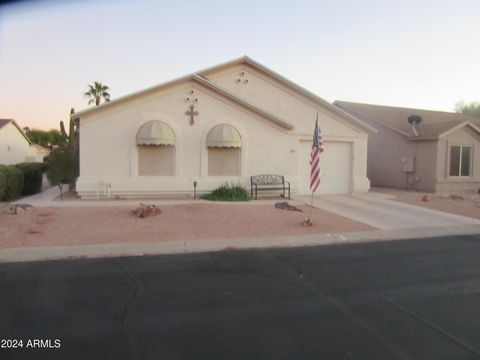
{"x":116,"y":224}
{"x":459,"y":204}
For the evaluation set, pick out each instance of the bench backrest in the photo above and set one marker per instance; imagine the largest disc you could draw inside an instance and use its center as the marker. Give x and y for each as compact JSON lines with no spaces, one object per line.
{"x":267,"y":179}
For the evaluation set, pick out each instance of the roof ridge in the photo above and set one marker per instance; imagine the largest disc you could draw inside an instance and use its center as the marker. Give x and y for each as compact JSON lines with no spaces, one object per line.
{"x":7,"y":121}
{"x":239,"y":99}
{"x":354,"y":112}
{"x":244,"y":59}
{"x":396,"y":107}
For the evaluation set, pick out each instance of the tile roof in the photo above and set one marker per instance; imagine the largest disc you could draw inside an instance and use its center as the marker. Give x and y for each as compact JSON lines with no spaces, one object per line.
{"x":434,"y":123}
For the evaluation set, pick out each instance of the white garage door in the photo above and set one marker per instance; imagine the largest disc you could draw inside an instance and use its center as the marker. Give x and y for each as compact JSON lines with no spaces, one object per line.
{"x":334,"y":168}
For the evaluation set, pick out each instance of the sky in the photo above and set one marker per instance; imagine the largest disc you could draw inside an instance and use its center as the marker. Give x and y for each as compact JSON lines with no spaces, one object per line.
{"x":421,"y":54}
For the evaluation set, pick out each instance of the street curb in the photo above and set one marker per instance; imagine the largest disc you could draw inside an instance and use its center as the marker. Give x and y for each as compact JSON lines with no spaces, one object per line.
{"x":46,"y":253}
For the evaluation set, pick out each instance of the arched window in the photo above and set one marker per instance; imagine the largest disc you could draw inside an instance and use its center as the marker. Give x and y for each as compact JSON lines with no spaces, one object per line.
{"x":156,"y":149}
{"x":224,"y":151}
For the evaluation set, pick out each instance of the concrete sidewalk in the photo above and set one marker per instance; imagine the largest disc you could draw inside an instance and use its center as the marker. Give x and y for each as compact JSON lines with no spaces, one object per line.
{"x":44,"y":253}
{"x":48,"y":198}
{"x":380,"y":211}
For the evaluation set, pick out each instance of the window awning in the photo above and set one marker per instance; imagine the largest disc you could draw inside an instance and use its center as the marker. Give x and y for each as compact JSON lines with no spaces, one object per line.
{"x":155,"y":133}
{"x":224,"y":135}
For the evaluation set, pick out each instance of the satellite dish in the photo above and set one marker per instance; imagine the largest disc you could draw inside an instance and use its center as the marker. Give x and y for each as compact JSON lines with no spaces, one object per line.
{"x":414,"y":120}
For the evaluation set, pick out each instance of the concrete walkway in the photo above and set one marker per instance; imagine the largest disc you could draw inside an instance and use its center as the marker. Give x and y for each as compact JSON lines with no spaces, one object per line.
{"x":380,"y":211}
{"x":47,"y":199}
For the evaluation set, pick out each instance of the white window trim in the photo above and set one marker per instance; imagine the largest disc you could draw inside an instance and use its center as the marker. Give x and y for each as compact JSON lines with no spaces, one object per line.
{"x":460,"y":162}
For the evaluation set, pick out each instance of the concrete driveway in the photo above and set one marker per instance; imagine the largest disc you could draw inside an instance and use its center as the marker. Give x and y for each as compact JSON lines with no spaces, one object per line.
{"x":379,"y":210}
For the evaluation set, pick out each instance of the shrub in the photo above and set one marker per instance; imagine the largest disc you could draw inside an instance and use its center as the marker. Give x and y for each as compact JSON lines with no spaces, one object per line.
{"x":32,"y":177}
{"x":228,"y":192}
{"x":3,"y":182}
{"x":11,"y":182}
{"x":61,"y":166}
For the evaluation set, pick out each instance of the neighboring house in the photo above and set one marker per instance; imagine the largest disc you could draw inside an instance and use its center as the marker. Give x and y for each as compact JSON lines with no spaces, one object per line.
{"x":15,"y":146}
{"x":40,"y":152}
{"x":218,"y":125}
{"x":435,"y":151}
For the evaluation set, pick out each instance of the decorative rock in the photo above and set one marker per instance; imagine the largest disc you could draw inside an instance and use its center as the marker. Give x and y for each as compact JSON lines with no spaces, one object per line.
{"x":37,"y":229}
{"x":45,"y":214}
{"x":17,"y":209}
{"x":44,"y":220}
{"x":286,"y":206}
{"x":307,"y":222}
{"x":146,"y":211}
{"x":457,"y":197}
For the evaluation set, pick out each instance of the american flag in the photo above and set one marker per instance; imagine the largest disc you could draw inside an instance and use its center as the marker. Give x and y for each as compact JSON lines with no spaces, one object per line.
{"x":317,"y":149}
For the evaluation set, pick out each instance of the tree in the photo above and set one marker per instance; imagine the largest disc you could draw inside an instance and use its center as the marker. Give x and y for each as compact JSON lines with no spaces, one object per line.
{"x":72,"y":139}
{"x":62,"y":163}
{"x":61,"y":167}
{"x":97,"y":92}
{"x":471,"y":109}
{"x":44,"y":138}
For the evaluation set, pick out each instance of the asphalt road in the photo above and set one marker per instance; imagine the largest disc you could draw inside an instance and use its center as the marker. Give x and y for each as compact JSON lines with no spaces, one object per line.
{"x":415,"y":299}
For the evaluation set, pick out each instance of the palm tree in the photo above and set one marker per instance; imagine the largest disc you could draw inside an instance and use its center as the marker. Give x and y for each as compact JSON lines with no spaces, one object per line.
{"x":96,"y":92}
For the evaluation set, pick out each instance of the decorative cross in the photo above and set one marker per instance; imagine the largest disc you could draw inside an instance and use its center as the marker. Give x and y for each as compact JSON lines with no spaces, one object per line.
{"x":192,"y":113}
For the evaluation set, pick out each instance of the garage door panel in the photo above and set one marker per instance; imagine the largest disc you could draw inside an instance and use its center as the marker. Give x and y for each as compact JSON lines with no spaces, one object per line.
{"x":335,"y":168}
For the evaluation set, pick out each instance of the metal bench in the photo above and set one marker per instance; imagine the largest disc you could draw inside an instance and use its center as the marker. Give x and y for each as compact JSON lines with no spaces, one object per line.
{"x":268,"y":182}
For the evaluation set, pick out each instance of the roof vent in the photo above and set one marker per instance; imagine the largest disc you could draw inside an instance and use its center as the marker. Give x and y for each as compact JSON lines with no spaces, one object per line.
{"x":414,"y":120}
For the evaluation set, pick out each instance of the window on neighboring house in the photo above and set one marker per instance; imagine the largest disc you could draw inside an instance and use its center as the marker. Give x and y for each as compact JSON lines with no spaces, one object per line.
{"x":460,"y":160}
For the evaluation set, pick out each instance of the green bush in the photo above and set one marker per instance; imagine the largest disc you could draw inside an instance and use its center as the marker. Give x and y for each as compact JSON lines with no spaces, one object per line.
{"x":11,"y":182}
{"x":32,"y":177}
{"x":61,"y":166}
{"x":228,"y":192}
{"x":3,"y":182}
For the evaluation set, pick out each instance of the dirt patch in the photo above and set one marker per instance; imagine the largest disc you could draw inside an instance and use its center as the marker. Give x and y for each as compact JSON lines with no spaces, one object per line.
{"x":459,"y":204}
{"x":117,"y":224}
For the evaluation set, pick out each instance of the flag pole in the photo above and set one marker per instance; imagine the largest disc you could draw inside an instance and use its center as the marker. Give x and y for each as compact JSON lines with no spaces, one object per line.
{"x":311,"y":206}
{"x":314,"y":168}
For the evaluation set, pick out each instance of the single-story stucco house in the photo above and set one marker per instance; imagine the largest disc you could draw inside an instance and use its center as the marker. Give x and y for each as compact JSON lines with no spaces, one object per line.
{"x":222,"y":124}
{"x":15,"y":146}
{"x":423,"y":150}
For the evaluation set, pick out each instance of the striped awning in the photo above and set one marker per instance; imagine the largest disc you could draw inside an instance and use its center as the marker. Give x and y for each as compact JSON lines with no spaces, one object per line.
{"x":155,"y":133}
{"x":224,"y":135}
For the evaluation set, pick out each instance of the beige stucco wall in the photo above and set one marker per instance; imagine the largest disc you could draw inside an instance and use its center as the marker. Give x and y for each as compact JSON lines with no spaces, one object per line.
{"x":274,"y":96}
{"x":386,"y":152}
{"x":446,"y":183}
{"x":425,"y":155}
{"x":14,"y":148}
{"x":108,"y":151}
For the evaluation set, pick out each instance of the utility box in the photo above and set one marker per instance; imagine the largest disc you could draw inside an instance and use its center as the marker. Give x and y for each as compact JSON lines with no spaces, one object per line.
{"x":408,"y":164}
